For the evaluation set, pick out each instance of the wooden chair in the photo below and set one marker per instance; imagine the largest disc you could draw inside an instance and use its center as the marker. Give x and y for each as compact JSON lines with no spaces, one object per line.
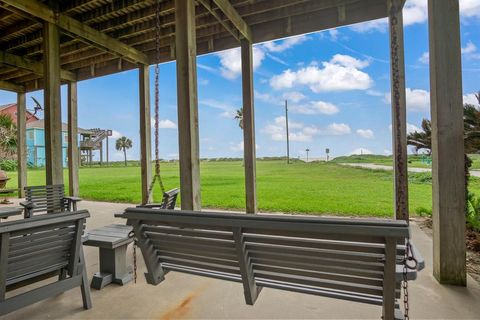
{"x":350,"y":259}
{"x":48,"y":199}
{"x":168,"y":202}
{"x":38,"y":248}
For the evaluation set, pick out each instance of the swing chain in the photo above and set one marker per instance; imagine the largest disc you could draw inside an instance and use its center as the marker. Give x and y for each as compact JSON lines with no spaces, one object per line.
{"x":131,"y":234}
{"x":157,"y":102}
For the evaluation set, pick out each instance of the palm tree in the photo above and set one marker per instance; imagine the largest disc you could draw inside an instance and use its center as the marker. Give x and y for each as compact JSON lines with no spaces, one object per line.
{"x":239,"y":117}
{"x":8,"y":136}
{"x":423,"y":139}
{"x":122,"y":144}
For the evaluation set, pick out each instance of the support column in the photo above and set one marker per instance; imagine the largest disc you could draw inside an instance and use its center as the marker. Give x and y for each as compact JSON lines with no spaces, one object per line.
{"x":145,"y":133}
{"x":21,"y":143}
{"x":399,"y":110}
{"x":448,"y":176}
{"x":53,"y":119}
{"x":249,"y":152}
{"x":187,"y":99}
{"x":73,"y":157}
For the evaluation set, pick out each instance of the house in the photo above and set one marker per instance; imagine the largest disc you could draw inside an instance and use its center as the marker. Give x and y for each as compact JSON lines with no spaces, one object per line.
{"x":11,"y":110}
{"x":36,"y":143}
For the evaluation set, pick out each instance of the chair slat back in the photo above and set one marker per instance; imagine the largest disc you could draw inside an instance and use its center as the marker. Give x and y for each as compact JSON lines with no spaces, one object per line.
{"x":170,"y":199}
{"x":40,"y":245}
{"x":48,"y":199}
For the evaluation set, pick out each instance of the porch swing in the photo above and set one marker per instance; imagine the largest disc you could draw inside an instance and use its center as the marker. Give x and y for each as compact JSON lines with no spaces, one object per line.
{"x":359,"y":260}
{"x":169,"y":197}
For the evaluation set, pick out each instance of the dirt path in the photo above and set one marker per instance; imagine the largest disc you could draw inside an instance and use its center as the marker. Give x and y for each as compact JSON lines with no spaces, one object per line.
{"x":474,"y":173}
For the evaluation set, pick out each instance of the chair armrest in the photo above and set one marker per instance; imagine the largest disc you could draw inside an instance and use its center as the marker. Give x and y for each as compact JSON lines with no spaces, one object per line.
{"x":119,"y":215}
{"x":28,"y":205}
{"x":417,"y":255}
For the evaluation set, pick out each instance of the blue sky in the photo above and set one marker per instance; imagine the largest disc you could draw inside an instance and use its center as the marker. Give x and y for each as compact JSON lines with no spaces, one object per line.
{"x":337,"y":83}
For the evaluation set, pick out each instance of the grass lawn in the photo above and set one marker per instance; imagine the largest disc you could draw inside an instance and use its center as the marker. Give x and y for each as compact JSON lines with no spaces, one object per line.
{"x":298,"y":187}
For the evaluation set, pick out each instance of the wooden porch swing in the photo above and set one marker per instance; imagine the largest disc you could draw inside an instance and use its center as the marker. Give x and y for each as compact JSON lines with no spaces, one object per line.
{"x":351,"y":259}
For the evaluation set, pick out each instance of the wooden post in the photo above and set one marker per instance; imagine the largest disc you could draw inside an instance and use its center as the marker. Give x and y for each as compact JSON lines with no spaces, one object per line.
{"x":145,"y":133}
{"x":399,"y":110}
{"x":249,"y":127}
{"x":187,"y":99}
{"x":21,"y":143}
{"x":448,"y":175}
{"x":73,"y":157}
{"x":53,"y":119}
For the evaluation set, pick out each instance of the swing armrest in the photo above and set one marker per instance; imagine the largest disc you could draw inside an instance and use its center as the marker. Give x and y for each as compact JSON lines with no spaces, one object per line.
{"x":411,"y":274}
{"x":152,"y":206}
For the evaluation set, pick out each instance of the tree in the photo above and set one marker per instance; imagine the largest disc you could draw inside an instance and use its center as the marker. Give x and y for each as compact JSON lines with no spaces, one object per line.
{"x":123,"y":144}
{"x":239,"y":117}
{"x":8,"y":137}
{"x":422,"y":140}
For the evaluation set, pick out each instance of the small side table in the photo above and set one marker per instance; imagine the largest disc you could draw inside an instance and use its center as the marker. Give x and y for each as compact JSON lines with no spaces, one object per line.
{"x":10,"y":211}
{"x":112,"y":241}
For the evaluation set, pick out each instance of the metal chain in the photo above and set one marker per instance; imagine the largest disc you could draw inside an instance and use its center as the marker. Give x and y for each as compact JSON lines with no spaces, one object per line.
{"x":406,"y":305}
{"x":132,"y":235}
{"x":157,"y":93}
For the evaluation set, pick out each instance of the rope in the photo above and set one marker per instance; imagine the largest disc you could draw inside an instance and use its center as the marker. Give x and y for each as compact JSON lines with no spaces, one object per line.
{"x":157,"y":175}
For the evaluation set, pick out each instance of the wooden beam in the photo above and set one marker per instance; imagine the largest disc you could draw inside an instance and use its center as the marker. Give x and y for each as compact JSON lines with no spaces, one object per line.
{"x":249,"y":151}
{"x":21,"y":143}
{"x":35,"y":67}
{"x":187,"y":105}
{"x":10,"y":86}
{"x":448,"y":173}
{"x":399,"y":110}
{"x":53,"y":116}
{"x":73,"y":149}
{"x":73,"y":26}
{"x":229,"y":11}
{"x":208,"y":5}
{"x":145,"y":134}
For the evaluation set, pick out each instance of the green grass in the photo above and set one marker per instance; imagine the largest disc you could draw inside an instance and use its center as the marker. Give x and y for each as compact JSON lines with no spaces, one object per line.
{"x":296,"y":188}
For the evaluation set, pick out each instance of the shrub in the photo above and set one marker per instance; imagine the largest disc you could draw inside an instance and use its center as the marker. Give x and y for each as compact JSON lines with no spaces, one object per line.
{"x":423,"y":212}
{"x":8,"y":165}
{"x":473,"y":212}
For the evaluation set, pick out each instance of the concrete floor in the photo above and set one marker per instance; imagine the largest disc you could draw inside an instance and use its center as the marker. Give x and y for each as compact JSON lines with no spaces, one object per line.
{"x":183,"y":296}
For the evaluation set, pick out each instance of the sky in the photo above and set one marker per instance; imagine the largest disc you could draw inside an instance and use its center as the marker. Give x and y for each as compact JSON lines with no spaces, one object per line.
{"x":337,"y":83}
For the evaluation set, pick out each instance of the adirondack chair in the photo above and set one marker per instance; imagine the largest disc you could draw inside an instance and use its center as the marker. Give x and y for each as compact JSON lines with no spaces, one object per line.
{"x":168,"y":202}
{"x":39,"y":248}
{"x":48,"y":199}
{"x":350,"y":259}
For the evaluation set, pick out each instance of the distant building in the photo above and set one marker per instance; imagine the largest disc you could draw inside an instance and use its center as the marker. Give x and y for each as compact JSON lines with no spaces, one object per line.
{"x":11,"y":110}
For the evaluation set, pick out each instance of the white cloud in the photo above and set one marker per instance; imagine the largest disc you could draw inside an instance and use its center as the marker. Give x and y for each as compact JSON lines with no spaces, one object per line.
{"x":228,"y":111}
{"x":417,"y":99}
{"x":387,"y":152}
{"x":410,"y":128}
{"x":359,"y":151}
{"x":333,"y":34}
{"x":282,"y":45}
{"x":167,"y":124}
{"x":231,"y":61}
{"x":425,"y":58}
{"x":366,"y":133}
{"x":203,"y":82}
{"x":116,"y":134}
{"x":315,"y":107}
{"x":469,"y":48}
{"x":375,"y":93}
{"x":294,"y":96}
{"x":337,"y":129}
{"x":281,"y":121}
{"x":237,"y":147}
{"x":471,"y":99}
{"x":341,"y":73}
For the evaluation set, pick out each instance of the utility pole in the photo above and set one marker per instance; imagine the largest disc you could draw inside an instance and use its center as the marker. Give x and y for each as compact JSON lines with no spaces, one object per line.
{"x":307,"y":150}
{"x":286,"y":126}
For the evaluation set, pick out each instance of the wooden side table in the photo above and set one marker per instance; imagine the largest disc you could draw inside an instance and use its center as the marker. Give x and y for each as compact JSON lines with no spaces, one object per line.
{"x":112,"y":241}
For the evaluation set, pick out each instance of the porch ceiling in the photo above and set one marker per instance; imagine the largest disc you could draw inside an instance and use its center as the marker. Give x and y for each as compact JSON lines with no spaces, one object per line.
{"x":132,"y":22}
